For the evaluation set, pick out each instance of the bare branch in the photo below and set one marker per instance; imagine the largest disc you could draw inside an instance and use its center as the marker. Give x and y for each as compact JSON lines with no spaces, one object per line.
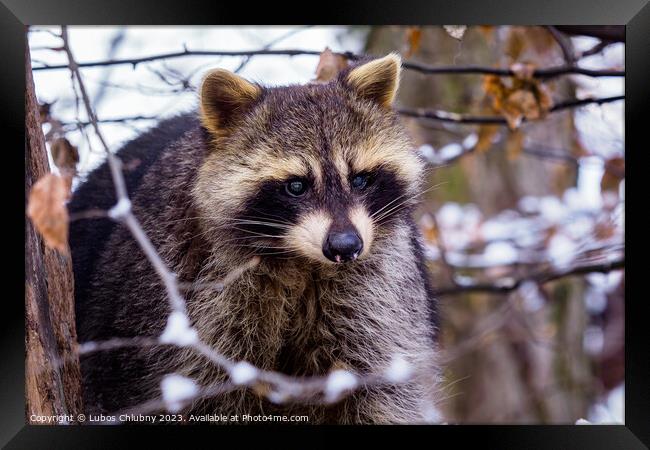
{"x":611,"y":33}
{"x":540,"y":277}
{"x":599,"y":47}
{"x":550,"y":72}
{"x":565,"y":45}
{"x":437,"y":115}
{"x":445,"y":116}
{"x":111,"y":120}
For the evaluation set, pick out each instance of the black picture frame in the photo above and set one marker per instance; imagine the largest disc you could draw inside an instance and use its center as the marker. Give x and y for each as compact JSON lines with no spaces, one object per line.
{"x":16,"y":14}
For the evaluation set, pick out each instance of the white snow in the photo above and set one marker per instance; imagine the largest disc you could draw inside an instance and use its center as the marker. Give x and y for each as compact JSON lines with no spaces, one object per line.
{"x":450,"y":215}
{"x":593,"y":340}
{"x":470,"y":141}
{"x":606,"y":282}
{"x":590,"y":172}
{"x":595,"y":300}
{"x":429,"y":153}
{"x":337,"y":383}
{"x":277,"y":397}
{"x":450,"y":151}
{"x":176,"y":391}
{"x":611,"y":410}
{"x":552,"y":209}
{"x":471,"y":216}
{"x":88,"y":347}
{"x":243,"y":373}
{"x":500,"y":253}
{"x":121,"y":209}
{"x":528,"y":204}
{"x":463,"y":280}
{"x":532,"y":301}
{"x":178,"y":330}
{"x":561,"y":250}
{"x":399,"y":370}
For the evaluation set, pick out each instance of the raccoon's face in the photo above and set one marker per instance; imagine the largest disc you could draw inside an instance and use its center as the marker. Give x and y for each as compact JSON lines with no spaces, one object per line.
{"x":321,"y":171}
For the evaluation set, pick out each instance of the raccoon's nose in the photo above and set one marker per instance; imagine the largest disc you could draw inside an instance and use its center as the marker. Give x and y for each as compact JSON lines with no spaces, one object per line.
{"x":345,"y":246}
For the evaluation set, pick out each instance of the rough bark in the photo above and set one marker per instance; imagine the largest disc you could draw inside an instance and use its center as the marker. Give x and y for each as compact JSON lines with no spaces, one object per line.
{"x":52,"y":374}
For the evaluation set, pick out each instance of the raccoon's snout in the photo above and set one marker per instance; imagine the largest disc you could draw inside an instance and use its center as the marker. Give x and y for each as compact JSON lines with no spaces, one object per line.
{"x":342,"y":246}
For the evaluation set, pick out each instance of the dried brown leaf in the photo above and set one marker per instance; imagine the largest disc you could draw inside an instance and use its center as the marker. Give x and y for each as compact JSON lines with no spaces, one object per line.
{"x":46,"y":208}
{"x":65,"y":155}
{"x":523,"y":98}
{"x":614,"y":173}
{"x":413,"y":40}
{"x":329,"y":65}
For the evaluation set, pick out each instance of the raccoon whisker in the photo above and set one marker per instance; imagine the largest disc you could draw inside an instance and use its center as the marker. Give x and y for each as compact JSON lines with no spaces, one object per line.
{"x":201,"y":233}
{"x":448,"y":397}
{"x":237,"y":240}
{"x":372,"y":216}
{"x":275,"y":219}
{"x":166,"y":222}
{"x":445,"y":387}
{"x":228,"y":226}
{"x":395,"y":208}
{"x":254,"y":222}
{"x":404,"y":195}
{"x":212,"y":229}
{"x":285,"y":251}
{"x":280,"y":219}
{"x":256,"y":233}
{"x":229,"y":222}
{"x":262,"y":246}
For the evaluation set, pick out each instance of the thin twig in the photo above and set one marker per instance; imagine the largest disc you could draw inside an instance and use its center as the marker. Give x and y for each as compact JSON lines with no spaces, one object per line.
{"x":564,"y":45}
{"x":115,"y":165}
{"x":437,"y":115}
{"x":445,"y":116}
{"x":550,"y":72}
{"x":540,"y":277}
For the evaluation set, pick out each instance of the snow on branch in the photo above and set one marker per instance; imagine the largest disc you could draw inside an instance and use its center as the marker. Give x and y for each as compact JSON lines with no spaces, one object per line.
{"x":508,"y":284}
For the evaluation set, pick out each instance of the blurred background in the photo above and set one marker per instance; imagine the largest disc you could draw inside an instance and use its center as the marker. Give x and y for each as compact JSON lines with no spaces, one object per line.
{"x":524,"y":221}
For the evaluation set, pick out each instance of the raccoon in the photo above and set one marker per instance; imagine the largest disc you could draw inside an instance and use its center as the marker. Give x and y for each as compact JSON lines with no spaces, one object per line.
{"x":318,"y":181}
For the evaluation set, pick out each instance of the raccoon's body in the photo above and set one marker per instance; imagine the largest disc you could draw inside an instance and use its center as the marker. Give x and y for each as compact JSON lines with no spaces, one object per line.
{"x":319,"y":183}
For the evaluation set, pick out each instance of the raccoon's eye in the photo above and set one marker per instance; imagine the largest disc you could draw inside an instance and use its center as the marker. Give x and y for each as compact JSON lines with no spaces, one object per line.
{"x":360,"y":181}
{"x":296,"y":187}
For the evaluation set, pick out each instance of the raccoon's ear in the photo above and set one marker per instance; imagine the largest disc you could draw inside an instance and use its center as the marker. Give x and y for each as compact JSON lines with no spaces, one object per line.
{"x":377,"y":80}
{"x":224,"y":96}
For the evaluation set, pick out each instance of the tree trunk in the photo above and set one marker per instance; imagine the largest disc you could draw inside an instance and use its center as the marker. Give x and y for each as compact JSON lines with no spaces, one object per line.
{"x":52,"y":374}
